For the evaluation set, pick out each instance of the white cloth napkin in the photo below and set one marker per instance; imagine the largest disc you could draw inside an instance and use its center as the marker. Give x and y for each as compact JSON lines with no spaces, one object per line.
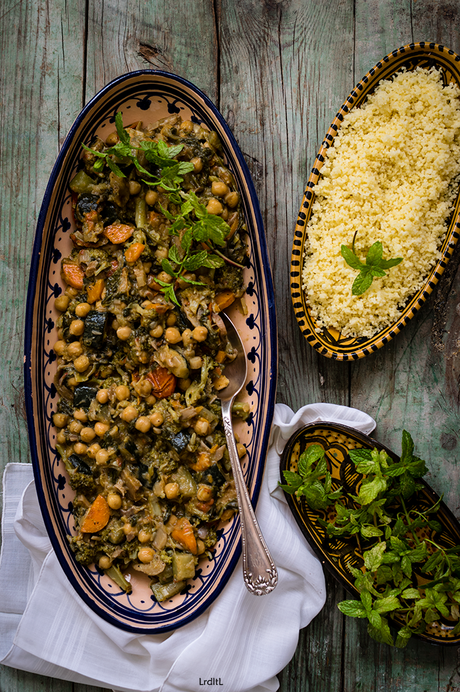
{"x":242,"y":641}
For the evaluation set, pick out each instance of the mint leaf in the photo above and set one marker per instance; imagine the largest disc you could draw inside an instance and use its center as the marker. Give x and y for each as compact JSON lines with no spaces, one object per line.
{"x":353,"y":609}
{"x":373,"y":558}
{"x":350,"y":258}
{"x":362,"y":282}
{"x":121,"y":132}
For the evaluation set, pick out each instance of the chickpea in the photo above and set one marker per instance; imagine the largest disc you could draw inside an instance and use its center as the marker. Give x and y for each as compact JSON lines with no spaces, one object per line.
{"x":129,"y":528}
{"x":232,"y":199}
{"x":224,"y":214}
{"x":102,"y":456}
{"x":161,"y":253}
{"x":204,"y":492}
{"x":115,"y":324}
{"x":72,"y":382}
{"x":241,"y":449}
{"x":124,"y":333}
{"x":122,"y":392}
{"x":100,"y":429}
{"x":197,"y":164}
{"x":171,"y":490}
{"x":214,"y":206}
{"x":144,"y":536}
{"x":61,"y":438}
{"x":82,"y":309}
{"x":112,"y":139}
{"x":60,"y":420}
{"x":200,"y":333}
{"x":173,"y":335}
{"x":59,"y":347}
{"x":144,"y":357}
{"x":184,"y":384}
{"x":134,"y":187}
{"x":105,"y":562}
{"x":75,"y":427}
{"x":151,"y":197}
{"x":186,"y":126}
{"x":171,"y":319}
{"x":74,"y":349}
{"x":102,"y":396}
{"x":156,"y":418}
{"x":201,"y":426}
{"x":81,"y":363}
{"x":76,"y":327}
{"x":80,"y":415}
{"x":71,"y":291}
{"x":87,"y":434}
{"x":114,"y":500}
{"x":145,"y":555}
{"x":128,"y":414}
{"x":200,"y":547}
{"x":80,"y":448}
{"x":195,"y":363}
{"x":143,"y":388}
{"x":219,"y":189}
{"x":143,"y":424}
{"x":164,"y":276}
{"x":151,"y":400}
{"x":62,"y":303}
{"x":157,"y":331}
{"x":93,"y":450}
{"x":187,"y":337}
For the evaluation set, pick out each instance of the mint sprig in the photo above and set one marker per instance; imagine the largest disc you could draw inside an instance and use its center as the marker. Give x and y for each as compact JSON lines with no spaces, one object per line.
{"x":374,"y":266}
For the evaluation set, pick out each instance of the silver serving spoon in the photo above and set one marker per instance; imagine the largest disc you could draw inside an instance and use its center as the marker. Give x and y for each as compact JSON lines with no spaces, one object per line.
{"x":259,"y":571}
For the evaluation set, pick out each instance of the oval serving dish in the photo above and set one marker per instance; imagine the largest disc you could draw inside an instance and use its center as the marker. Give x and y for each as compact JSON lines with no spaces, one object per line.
{"x":329,"y":342}
{"x":339,"y":553}
{"x":146,"y":95}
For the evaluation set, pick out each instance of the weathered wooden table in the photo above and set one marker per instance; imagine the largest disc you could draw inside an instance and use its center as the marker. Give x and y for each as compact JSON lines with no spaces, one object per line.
{"x":278,"y":71}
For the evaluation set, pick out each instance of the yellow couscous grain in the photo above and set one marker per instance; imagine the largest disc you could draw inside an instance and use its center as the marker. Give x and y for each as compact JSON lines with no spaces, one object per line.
{"x":390,"y":176}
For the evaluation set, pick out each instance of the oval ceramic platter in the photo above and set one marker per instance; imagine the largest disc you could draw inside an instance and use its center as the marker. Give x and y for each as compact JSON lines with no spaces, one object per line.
{"x":147,"y":96}
{"x":329,"y":342}
{"x":339,"y":553}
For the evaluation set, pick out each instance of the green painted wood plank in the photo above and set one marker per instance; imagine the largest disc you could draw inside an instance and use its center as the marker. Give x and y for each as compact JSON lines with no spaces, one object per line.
{"x":41,"y":92}
{"x":408,"y":383}
{"x":282,"y":75}
{"x":151,"y":34}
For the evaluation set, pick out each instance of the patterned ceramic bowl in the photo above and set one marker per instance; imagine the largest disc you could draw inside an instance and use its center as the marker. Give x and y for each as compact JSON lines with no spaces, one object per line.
{"x":147,"y":96}
{"x":329,"y":342}
{"x":339,"y":553}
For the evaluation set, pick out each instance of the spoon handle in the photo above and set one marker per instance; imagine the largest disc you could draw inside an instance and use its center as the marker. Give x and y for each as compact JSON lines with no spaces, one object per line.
{"x":259,"y":571}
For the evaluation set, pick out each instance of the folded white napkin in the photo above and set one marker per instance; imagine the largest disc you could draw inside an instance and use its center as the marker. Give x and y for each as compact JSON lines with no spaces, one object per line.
{"x":242,"y":640}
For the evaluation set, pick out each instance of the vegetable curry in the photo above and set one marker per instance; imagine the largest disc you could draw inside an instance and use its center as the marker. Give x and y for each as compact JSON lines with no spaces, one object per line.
{"x":159,"y":251}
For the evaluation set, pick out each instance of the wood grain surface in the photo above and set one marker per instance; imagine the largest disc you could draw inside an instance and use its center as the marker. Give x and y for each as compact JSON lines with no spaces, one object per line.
{"x":278,"y":70}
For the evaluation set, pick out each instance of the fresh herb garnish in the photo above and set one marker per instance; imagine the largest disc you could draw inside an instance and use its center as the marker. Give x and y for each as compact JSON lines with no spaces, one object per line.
{"x":374,"y":266}
{"x":400,"y":540}
{"x":193,"y":223}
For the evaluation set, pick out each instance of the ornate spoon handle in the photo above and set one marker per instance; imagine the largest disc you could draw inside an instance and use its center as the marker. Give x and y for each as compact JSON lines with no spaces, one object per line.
{"x":259,"y":571}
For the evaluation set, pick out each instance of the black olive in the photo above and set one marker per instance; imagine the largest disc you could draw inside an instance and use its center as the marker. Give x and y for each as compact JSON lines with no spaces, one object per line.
{"x":86,"y":203}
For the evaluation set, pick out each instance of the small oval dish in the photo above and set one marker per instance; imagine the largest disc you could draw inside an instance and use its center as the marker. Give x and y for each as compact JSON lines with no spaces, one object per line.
{"x":330,"y":342}
{"x":339,"y":553}
{"x":146,"y":96}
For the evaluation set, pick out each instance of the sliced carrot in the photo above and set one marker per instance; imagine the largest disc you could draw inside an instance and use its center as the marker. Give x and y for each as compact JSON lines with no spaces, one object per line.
{"x":118,"y":233}
{"x":203,"y":462}
{"x":95,"y":291}
{"x":164,"y":382}
{"x":221,"y":356}
{"x":97,"y":516}
{"x":73,"y":275}
{"x":183,"y":534}
{"x":224,"y":299}
{"x":134,"y":252}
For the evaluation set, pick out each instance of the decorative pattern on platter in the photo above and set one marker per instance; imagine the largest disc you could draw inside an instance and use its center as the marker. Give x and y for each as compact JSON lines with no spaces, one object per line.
{"x":329,"y":342}
{"x":338,"y":554}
